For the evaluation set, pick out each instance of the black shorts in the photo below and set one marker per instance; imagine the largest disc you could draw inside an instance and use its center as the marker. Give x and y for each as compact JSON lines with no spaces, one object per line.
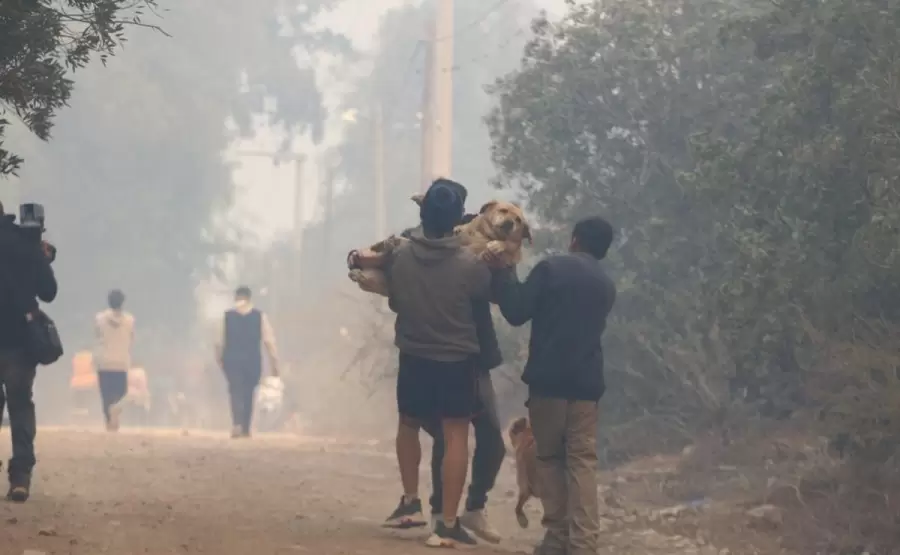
{"x":428,"y":390}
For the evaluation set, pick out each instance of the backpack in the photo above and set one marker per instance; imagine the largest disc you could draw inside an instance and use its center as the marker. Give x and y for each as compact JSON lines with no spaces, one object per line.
{"x":43,"y":342}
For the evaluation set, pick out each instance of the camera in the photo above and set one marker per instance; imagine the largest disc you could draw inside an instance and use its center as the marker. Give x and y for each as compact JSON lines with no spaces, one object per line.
{"x":31,"y":217}
{"x":31,"y":221}
{"x":31,"y":225}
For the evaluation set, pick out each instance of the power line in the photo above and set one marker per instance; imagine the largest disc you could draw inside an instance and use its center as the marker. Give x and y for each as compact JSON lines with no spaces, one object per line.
{"x":494,"y":50}
{"x":405,"y":80}
{"x":473,"y":24}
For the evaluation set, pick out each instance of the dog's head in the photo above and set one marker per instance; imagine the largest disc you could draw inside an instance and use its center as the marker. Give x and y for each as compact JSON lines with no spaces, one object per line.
{"x":506,"y":220}
{"x":519,"y":430}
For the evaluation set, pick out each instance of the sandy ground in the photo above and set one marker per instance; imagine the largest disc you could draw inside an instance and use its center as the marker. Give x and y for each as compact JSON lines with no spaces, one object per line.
{"x":164,"y":493}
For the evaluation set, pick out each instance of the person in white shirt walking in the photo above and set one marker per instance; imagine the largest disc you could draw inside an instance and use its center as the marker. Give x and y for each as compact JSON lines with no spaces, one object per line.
{"x":242,"y":333}
{"x":112,"y":356}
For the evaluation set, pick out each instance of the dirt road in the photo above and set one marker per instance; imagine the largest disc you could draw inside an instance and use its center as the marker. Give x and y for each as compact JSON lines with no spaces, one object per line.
{"x":165,"y":493}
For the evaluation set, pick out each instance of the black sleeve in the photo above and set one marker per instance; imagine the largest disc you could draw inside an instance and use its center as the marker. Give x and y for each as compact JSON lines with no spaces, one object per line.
{"x":45,"y":281}
{"x":482,"y":281}
{"x":518,"y":301}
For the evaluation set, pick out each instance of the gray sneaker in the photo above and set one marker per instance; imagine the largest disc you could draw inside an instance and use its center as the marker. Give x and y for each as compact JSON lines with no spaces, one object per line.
{"x":451,"y":538}
{"x":408,"y":514}
{"x":477,"y":522}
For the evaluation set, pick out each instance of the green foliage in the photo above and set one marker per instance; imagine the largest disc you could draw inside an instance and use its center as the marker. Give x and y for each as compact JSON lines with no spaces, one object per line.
{"x":747,"y":152}
{"x":812,"y":209}
{"x":42,"y":42}
{"x":598,"y":119}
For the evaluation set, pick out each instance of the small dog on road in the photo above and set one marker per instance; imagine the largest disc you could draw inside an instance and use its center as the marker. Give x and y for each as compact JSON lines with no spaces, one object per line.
{"x":522,"y":439}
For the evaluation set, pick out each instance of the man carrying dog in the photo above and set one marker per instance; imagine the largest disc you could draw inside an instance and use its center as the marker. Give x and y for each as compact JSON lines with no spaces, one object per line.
{"x":489,"y":447}
{"x":567,"y":298}
{"x":433,"y":283}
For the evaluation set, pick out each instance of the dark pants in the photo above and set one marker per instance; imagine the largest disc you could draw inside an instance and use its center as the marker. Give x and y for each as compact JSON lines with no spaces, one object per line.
{"x":242,"y":384}
{"x":113,"y":388}
{"x":16,"y":384}
{"x":489,"y":451}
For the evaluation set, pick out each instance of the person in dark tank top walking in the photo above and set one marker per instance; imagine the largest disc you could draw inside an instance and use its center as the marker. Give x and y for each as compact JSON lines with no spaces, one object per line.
{"x":244,"y":331}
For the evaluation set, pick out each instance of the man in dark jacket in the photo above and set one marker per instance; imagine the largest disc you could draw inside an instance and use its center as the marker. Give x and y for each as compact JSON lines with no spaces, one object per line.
{"x":25,"y":276}
{"x":489,"y":447}
{"x":567,"y":298}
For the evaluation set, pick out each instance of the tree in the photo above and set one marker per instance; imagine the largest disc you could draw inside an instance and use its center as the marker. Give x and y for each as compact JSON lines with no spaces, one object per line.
{"x":42,"y":42}
{"x":598,"y":120}
{"x":749,"y":152}
{"x":809,"y":213}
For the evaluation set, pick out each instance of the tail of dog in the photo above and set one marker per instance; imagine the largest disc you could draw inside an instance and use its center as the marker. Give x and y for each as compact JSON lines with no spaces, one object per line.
{"x":518,"y":426}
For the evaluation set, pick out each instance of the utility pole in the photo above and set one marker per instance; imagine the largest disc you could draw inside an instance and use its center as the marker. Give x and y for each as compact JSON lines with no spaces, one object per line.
{"x":297,"y":230}
{"x":299,"y":203}
{"x":428,"y":111}
{"x":328,"y":222}
{"x":380,"y":205}
{"x":442,"y":161}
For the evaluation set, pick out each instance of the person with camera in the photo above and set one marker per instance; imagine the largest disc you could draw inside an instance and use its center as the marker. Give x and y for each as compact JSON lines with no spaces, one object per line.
{"x":25,"y":277}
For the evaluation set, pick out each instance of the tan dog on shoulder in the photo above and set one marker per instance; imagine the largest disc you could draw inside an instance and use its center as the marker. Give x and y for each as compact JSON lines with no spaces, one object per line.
{"x":522,"y":439}
{"x":498,"y":229}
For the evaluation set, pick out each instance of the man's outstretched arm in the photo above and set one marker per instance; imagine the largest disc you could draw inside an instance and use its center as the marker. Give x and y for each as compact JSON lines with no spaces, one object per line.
{"x":518,"y":301}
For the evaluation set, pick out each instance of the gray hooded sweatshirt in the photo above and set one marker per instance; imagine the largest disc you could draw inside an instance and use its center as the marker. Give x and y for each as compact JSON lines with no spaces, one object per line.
{"x":432,"y":285}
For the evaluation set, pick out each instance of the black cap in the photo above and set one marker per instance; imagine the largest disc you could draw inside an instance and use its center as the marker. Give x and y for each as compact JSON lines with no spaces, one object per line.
{"x":443,"y":206}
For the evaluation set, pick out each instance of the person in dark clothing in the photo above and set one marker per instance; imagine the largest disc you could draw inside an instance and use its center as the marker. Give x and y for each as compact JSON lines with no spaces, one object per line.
{"x":25,"y":277}
{"x":567,"y":298}
{"x":243,"y":332}
{"x":489,"y":447}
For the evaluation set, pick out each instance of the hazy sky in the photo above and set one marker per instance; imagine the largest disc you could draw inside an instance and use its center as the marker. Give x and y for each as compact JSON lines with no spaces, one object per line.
{"x":266,"y":192}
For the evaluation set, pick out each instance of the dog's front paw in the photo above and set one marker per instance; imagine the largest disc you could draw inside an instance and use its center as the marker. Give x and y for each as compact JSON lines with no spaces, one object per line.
{"x":522,"y":518}
{"x":495,"y":254}
{"x":496,"y":247}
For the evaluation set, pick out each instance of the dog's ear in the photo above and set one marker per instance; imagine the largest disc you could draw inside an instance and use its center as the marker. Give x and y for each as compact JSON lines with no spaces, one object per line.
{"x":418,"y":198}
{"x":526,"y":233}
{"x":488,"y":206}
